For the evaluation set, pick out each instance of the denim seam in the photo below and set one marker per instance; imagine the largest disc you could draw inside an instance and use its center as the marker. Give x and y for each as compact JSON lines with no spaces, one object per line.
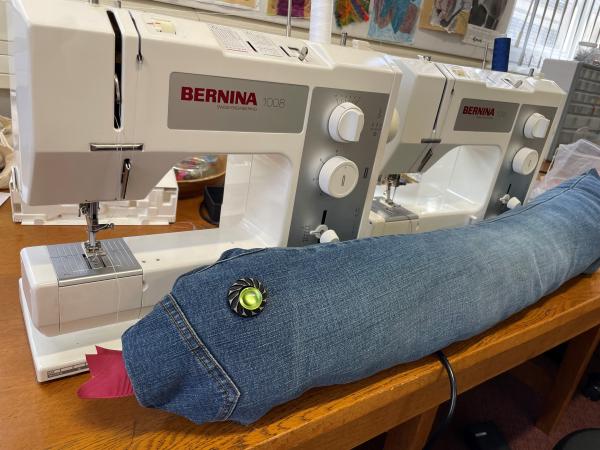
{"x":528,"y":207}
{"x":201,"y":269}
{"x":225,"y":385}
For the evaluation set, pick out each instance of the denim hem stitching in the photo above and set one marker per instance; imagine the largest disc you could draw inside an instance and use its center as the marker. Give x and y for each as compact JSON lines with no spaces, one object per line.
{"x":533,"y":205}
{"x":223,"y":382}
{"x":201,"y":269}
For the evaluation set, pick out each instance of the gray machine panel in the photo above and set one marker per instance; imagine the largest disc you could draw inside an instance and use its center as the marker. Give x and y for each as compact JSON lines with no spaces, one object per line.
{"x":508,"y":181}
{"x":312,"y":207}
{"x":72,"y":266}
{"x":204,"y":102}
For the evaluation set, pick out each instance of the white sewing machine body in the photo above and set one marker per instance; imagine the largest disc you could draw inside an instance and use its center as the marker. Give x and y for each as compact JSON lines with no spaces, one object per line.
{"x":159,"y":207}
{"x":126,"y":96}
{"x":475,"y":137}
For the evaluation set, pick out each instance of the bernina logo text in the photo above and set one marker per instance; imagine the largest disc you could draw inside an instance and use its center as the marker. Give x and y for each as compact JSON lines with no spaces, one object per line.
{"x":231,"y":97}
{"x":479,"y":111}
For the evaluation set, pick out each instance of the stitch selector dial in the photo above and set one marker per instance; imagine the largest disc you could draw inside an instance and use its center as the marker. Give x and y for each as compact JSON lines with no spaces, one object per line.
{"x":338,"y":177}
{"x":247,"y":297}
{"x":525,"y":161}
{"x":346,"y":123}
{"x":536,"y":126}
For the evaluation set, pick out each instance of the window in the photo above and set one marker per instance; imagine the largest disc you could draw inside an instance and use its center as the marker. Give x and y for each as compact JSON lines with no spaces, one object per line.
{"x":543,"y":29}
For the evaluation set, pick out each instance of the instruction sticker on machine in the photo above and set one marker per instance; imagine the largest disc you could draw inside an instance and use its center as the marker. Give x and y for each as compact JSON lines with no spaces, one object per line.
{"x":204,"y":102}
{"x":485,"y":116}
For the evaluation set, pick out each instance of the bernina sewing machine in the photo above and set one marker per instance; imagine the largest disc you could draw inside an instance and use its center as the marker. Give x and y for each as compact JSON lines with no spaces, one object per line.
{"x":466,"y":144}
{"x":105,"y":100}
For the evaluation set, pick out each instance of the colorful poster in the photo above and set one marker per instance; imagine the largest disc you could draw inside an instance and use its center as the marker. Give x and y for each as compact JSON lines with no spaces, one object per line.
{"x":351,"y":11}
{"x":451,"y":16}
{"x":483,"y":22}
{"x":300,"y":8}
{"x":394,"y":20}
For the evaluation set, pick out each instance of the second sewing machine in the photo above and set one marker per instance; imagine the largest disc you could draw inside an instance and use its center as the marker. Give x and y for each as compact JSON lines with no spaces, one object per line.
{"x":466,"y":144}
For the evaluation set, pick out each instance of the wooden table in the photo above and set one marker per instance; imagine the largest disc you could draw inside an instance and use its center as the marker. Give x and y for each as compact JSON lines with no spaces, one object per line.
{"x":51,"y":415}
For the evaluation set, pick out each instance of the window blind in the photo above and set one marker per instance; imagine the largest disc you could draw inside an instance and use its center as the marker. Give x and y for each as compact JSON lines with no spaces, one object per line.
{"x":542,"y":29}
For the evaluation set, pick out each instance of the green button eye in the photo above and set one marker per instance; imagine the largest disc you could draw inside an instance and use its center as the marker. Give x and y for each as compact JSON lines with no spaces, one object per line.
{"x":247,"y":297}
{"x":251,"y":298}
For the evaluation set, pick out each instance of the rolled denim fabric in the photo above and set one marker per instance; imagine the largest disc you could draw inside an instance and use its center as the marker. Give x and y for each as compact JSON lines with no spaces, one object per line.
{"x":339,"y":312}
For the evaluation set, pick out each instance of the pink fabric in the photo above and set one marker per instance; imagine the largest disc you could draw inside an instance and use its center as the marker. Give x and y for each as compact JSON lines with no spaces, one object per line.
{"x":109,"y":377}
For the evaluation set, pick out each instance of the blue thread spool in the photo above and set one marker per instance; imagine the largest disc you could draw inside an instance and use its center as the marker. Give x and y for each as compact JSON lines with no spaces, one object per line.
{"x":501,"y":54}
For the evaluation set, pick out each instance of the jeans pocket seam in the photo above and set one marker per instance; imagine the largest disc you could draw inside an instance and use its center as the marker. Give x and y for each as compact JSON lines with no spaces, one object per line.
{"x":221,"y":380}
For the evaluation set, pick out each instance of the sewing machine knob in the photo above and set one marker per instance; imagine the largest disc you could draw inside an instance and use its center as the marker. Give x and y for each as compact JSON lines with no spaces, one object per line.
{"x":346,"y":123}
{"x":513,"y":202}
{"x":338,"y":177}
{"x":329,"y":236}
{"x":525,"y":161}
{"x":510,"y":202}
{"x":536,"y":126}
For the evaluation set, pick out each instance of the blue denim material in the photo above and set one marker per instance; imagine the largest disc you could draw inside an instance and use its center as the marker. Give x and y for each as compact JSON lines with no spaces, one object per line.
{"x":343,"y":311}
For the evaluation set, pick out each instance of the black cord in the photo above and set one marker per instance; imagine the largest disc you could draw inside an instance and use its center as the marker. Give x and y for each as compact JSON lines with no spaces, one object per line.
{"x":453,"y":395}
